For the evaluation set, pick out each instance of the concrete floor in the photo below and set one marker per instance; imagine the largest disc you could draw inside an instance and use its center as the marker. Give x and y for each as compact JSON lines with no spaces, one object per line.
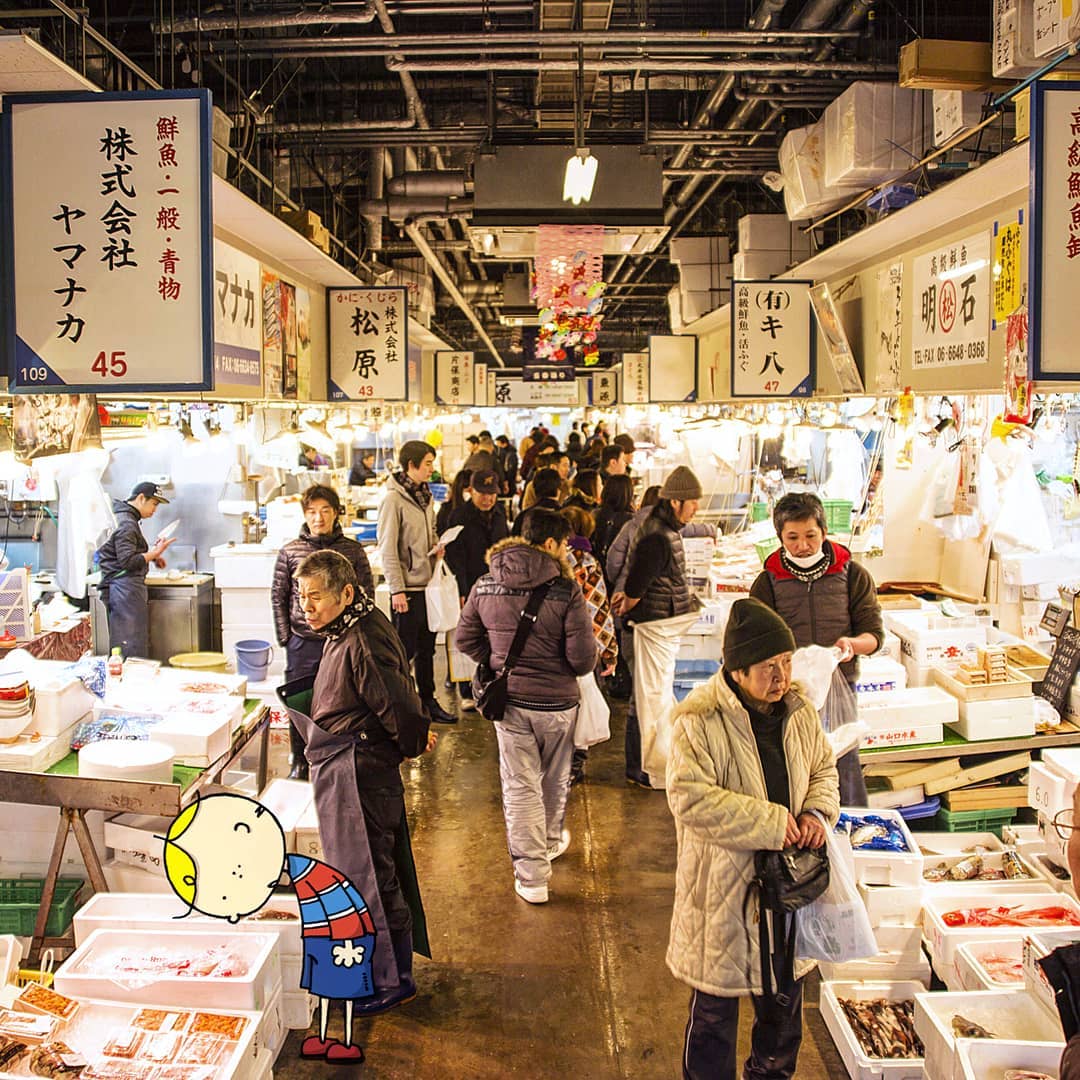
{"x":575,"y":988}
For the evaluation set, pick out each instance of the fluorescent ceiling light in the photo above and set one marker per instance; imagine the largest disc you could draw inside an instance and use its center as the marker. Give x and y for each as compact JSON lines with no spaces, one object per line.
{"x":580,"y":176}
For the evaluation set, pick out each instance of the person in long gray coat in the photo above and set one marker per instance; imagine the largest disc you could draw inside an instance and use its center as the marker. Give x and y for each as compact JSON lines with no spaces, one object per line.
{"x":536,"y":734}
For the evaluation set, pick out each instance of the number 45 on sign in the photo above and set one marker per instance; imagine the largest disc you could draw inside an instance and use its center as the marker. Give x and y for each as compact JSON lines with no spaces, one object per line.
{"x":112,"y":363}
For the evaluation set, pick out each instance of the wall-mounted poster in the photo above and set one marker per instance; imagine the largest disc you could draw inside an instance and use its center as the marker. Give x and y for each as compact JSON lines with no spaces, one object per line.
{"x":303,"y":344}
{"x":237,"y":323}
{"x":273,"y":356}
{"x":288,"y":341}
{"x":47,"y":424}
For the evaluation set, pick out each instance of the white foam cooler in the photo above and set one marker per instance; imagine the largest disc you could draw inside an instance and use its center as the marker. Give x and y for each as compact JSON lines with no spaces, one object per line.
{"x":858,"y":1064}
{"x":984,"y":1059}
{"x":60,"y":702}
{"x":887,"y":867}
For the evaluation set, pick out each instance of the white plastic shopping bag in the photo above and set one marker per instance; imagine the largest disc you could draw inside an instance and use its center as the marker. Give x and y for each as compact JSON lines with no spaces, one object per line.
{"x":812,"y":668}
{"x":656,"y":648}
{"x":592,"y":724}
{"x":836,"y":926}
{"x":441,"y":596}
{"x":461,"y":667}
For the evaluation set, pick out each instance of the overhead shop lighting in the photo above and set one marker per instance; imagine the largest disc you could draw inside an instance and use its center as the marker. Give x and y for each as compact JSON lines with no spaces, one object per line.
{"x":580,"y":176}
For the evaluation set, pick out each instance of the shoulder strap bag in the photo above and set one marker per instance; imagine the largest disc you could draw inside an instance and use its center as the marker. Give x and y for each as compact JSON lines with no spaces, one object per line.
{"x":489,"y":687}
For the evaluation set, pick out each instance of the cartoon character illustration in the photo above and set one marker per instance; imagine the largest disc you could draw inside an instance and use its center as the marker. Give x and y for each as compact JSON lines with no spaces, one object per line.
{"x":225,"y":855}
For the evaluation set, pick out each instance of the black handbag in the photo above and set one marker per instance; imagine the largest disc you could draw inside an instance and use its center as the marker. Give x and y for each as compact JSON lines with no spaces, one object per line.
{"x":784,"y":881}
{"x":490,"y":687}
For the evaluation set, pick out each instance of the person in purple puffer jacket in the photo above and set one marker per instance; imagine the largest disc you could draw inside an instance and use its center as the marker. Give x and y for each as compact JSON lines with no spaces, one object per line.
{"x":536,"y":734}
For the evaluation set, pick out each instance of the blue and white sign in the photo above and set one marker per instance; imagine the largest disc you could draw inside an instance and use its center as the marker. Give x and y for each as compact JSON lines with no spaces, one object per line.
{"x":108,"y":242}
{"x":237,"y":323}
{"x":772,"y":339}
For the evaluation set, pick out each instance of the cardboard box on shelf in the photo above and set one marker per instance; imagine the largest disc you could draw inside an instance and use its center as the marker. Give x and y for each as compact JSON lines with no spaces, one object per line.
{"x":935,"y":64}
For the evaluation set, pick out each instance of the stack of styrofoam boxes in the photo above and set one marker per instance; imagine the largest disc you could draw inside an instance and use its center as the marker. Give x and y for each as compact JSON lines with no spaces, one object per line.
{"x":27,"y":835}
{"x":995,"y":711}
{"x":802,"y":164}
{"x":955,"y":111}
{"x":880,"y":673}
{"x":891,"y":887}
{"x":1027,"y":582}
{"x":906,"y":717}
{"x":874,"y":132}
{"x":1051,"y":785}
{"x":768,"y":245}
{"x":704,"y":640}
{"x":704,"y":264}
{"x":980,"y":1058}
{"x":935,"y":641}
{"x":1013,"y":45}
{"x":135,"y":853}
{"x":287,"y":800}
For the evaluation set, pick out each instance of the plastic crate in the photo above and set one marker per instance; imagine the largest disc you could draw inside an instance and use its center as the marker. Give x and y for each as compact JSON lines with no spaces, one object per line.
{"x":439,"y":492}
{"x":759,"y":511}
{"x":765,"y":548}
{"x":974,"y":820}
{"x":701,"y":668}
{"x":918,"y":811}
{"x":364,"y":532}
{"x":837,"y":515}
{"x":19,"y":900}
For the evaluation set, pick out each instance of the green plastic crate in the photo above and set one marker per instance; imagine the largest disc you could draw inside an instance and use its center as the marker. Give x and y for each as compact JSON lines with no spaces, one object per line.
{"x":765,"y":548}
{"x":759,"y":511}
{"x":974,"y":820}
{"x":19,"y":900}
{"x":837,"y":515}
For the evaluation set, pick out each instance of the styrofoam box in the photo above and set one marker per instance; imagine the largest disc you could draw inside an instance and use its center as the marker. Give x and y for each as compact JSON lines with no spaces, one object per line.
{"x":955,"y":111}
{"x":10,"y":954}
{"x":1057,"y":849}
{"x":197,"y":739}
{"x":892,"y":905}
{"x":991,"y":1059}
{"x":928,"y":643}
{"x":909,"y":735}
{"x":1017,"y":833}
{"x":153,"y":911}
{"x":705,"y":278}
{"x":937,"y":844}
{"x":887,"y":867}
{"x":802,"y":164}
{"x":124,"y":878}
{"x":993,"y":860}
{"x":945,"y":940}
{"x":917,"y":674}
{"x":135,"y":839}
{"x":1009,"y":1014}
{"x":29,"y":756}
{"x":859,"y":1066}
{"x":880,"y":674}
{"x":760,"y":265}
{"x":246,"y":606}
{"x":1008,"y":718}
{"x":914,"y":706}
{"x":243,"y":566}
{"x":1065,"y":760}
{"x":287,"y":800}
{"x":1042,"y":863}
{"x":150,"y":701}
{"x":904,"y":940}
{"x":263,"y":1069}
{"x":307,"y":838}
{"x":772,"y":232}
{"x":1048,"y":790}
{"x":972,"y":974}
{"x":1062,"y":564}
{"x":250,"y":991}
{"x":699,"y":250}
{"x":297,"y":1010}
{"x":59,"y":703}
{"x":700,"y":647}
{"x":889,"y":967}
{"x":173,"y":680}
{"x":1035,"y":946}
{"x":272,"y":1031}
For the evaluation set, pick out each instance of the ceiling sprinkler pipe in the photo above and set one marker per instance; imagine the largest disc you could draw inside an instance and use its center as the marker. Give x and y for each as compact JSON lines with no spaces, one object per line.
{"x":634,"y":63}
{"x":450,"y":183}
{"x":358,"y":16}
{"x":333,"y":127}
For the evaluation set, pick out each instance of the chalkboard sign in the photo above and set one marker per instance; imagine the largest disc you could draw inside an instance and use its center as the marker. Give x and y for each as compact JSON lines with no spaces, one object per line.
{"x":1062,"y":670}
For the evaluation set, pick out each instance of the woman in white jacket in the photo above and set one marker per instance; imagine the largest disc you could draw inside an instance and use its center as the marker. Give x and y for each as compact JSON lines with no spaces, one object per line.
{"x":748,"y":763}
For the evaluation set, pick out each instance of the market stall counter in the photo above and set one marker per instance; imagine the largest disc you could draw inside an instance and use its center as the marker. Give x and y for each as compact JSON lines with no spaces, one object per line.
{"x":955,"y":745}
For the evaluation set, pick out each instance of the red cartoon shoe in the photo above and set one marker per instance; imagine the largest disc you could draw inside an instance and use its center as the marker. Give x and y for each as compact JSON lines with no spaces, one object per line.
{"x":314,"y":1047}
{"x":340,"y":1054}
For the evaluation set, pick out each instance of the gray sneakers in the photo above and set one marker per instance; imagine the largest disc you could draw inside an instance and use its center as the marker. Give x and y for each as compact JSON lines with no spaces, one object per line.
{"x":533,"y":894}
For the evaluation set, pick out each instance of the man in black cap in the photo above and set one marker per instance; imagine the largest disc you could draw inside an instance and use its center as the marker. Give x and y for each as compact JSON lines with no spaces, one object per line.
{"x":483,"y":523}
{"x":124,"y":559}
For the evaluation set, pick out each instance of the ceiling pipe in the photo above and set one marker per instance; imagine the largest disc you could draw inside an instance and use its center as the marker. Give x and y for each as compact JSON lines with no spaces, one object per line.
{"x":327,"y":127}
{"x":401,"y":208}
{"x":632,"y":63}
{"x":376,"y":189}
{"x":204,"y":24}
{"x":360,"y":47}
{"x":450,"y":183}
{"x":401,"y":247}
{"x":412,"y":230}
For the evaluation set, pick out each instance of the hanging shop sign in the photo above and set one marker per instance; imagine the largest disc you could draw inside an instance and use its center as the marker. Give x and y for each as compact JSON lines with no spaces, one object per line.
{"x":480,"y":383}
{"x":602,"y":389}
{"x":368,"y":344}
{"x":672,"y":367}
{"x":837,"y":345}
{"x":454,"y":378}
{"x":635,"y":378}
{"x":1055,"y":230}
{"x":237,"y":323}
{"x":890,"y":325}
{"x":952,"y":299}
{"x":108,"y":243}
{"x":515,"y":392}
{"x":772,"y":339}
{"x":1007,"y":270}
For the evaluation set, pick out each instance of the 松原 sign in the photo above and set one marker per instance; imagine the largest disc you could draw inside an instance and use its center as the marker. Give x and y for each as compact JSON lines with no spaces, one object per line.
{"x":368,"y":344}
{"x":108,"y":241}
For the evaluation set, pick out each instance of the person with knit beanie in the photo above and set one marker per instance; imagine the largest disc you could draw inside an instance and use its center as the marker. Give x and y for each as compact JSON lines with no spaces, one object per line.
{"x":656,"y":583}
{"x":749,"y":770}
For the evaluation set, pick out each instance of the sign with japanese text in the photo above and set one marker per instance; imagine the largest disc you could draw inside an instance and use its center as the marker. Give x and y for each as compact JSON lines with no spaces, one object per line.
{"x":513,"y":391}
{"x":237,"y":323}
{"x":837,"y":345}
{"x":303,"y":344}
{"x":604,"y":389}
{"x":672,"y":367}
{"x":635,"y":378}
{"x":1008,"y":279}
{"x":951,"y":304}
{"x":108,"y":242}
{"x":480,"y":382}
{"x":1055,"y":230}
{"x":454,"y":378}
{"x":772,"y":339}
{"x":273,"y":337}
{"x":368,"y":344}
{"x":890,"y":325}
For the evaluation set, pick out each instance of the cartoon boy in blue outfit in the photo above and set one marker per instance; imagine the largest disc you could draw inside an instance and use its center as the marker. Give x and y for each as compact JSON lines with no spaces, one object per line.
{"x":224,"y":855}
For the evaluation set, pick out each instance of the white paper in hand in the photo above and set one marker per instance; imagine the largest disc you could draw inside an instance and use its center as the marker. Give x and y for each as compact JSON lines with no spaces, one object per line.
{"x":447,"y":537}
{"x":169,"y":531}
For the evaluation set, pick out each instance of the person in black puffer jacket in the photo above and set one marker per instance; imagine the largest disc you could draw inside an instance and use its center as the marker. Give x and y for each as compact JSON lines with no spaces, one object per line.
{"x":303,"y":648}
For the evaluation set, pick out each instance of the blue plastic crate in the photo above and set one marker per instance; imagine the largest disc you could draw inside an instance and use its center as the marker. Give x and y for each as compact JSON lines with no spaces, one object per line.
{"x":681,"y":688}
{"x":440,"y":492}
{"x":703,"y":668}
{"x":927,"y":809}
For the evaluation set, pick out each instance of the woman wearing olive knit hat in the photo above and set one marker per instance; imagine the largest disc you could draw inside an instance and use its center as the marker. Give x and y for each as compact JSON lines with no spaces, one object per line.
{"x":748,"y":763}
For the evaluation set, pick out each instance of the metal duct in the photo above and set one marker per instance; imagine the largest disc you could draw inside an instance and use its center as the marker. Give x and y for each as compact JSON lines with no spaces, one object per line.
{"x":451,"y":183}
{"x":357,"y":16}
{"x":632,"y":63}
{"x":333,"y":127}
{"x":400,"y":207}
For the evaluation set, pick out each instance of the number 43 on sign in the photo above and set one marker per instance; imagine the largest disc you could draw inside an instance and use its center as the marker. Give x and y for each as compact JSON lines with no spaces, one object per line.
{"x":112,"y":363}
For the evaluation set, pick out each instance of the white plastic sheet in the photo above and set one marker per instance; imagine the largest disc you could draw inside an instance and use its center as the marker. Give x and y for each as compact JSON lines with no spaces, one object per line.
{"x":656,"y":648}
{"x":812,"y":668}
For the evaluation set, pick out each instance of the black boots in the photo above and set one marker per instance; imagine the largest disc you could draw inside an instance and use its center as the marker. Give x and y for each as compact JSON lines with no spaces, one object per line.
{"x":299,"y":763}
{"x":405,"y":990}
{"x":436,"y":713}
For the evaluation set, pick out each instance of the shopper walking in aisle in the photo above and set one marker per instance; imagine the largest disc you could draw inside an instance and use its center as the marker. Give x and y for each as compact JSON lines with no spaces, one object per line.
{"x":458,"y":497}
{"x":406,"y":539}
{"x":485,"y":457}
{"x":655,"y":585}
{"x":365,"y":719}
{"x":749,"y":763}
{"x":124,"y":560}
{"x":616,"y":509}
{"x":321,"y":531}
{"x":364,"y":470}
{"x":542,"y":494}
{"x":536,"y":733}
{"x":613,"y":461}
{"x":508,"y":459}
{"x":827,"y":599}
{"x":585,"y":490}
{"x":483,"y":524}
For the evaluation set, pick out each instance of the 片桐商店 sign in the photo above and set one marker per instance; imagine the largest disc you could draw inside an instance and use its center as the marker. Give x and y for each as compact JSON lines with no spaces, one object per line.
{"x":108,"y":241}
{"x":369,"y":344}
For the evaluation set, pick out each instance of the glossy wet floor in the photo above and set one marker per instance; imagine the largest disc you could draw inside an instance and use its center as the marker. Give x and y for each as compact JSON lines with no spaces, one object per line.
{"x":574,"y":988}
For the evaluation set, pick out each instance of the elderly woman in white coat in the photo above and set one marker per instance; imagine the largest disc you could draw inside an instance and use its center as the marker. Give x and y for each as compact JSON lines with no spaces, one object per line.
{"x":748,"y":764}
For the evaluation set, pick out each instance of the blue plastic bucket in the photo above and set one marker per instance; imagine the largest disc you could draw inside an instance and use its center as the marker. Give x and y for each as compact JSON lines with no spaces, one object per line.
{"x":253,"y":659}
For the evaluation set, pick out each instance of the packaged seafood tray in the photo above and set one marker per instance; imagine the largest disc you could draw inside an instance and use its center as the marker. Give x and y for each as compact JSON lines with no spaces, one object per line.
{"x":1036,"y":946}
{"x":859,"y":1063}
{"x":932,"y":844}
{"x":991,"y":965}
{"x":143,"y":1039}
{"x":222,"y":970}
{"x":1003,"y":868}
{"x":885,"y":851}
{"x":160,"y":911}
{"x":886,"y":967}
{"x":982,"y":1059}
{"x":1017,"y":834}
{"x":952,"y":920}
{"x":943,"y":1021}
